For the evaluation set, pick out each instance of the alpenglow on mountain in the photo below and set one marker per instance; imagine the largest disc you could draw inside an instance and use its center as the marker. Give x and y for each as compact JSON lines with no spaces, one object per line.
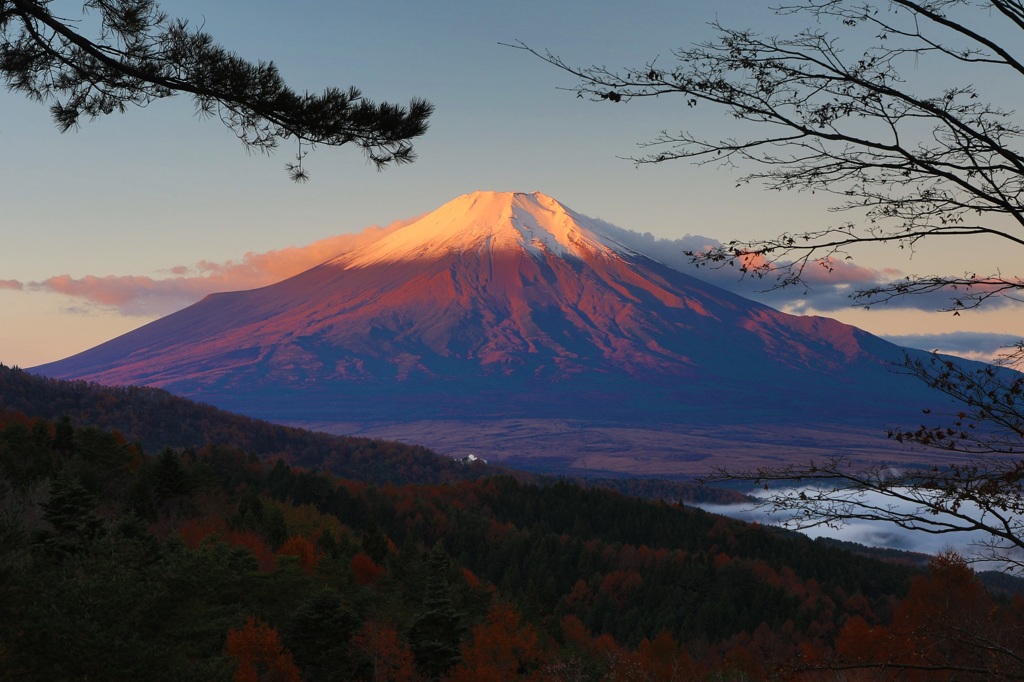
{"x":509,"y":326}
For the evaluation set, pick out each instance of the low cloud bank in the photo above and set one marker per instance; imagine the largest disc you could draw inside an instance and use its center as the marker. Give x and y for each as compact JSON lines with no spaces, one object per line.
{"x":150,"y":296}
{"x":827,"y":288}
{"x":983,"y":346}
{"x":877,"y":533}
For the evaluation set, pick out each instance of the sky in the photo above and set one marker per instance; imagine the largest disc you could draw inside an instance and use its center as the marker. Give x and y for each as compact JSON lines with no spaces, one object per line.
{"x":138,"y":214}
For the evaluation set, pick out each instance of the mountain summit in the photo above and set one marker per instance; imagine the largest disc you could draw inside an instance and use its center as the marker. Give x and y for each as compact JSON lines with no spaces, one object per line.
{"x":501,"y":320}
{"x":488,"y":222}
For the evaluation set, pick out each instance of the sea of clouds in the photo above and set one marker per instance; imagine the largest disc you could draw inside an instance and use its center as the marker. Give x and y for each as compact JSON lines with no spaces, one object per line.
{"x":888,"y":535}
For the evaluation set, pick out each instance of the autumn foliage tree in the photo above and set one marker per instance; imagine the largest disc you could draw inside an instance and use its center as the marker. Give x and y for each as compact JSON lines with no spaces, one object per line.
{"x":388,"y":657}
{"x":501,"y":648}
{"x":302,"y":548}
{"x":260,"y":655}
{"x":947,"y":628}
{"x":365,"y":570}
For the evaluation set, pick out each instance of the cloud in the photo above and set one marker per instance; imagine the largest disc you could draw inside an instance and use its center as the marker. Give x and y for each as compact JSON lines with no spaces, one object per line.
{"x":984,"y":346}
{"x":878,"y":533}
{"x":129,"y":295}
{"x":825,"y":288}
{"x":186,"y":284}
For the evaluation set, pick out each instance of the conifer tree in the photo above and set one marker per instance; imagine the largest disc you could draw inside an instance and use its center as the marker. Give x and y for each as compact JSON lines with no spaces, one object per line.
{"x":69,"y":510}
{"x":437,"y":632}
{"x":318,"y":633}
{"x":170,"y":477}
{"x":64,"y":436}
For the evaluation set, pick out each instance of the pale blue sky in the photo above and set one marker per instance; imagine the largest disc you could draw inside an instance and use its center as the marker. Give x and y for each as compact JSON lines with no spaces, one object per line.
{"x":141,"y":193}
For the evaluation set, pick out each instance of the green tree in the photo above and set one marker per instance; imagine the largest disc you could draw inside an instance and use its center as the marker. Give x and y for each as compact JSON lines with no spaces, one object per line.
{"x":375,"y":543}
{"x":318,"y":633}
{"x":64,"y":436}
{"x":70,"y":512}
{"x":170,"y":477}
{"x":140,"y":55}
{"x":437,"y":631}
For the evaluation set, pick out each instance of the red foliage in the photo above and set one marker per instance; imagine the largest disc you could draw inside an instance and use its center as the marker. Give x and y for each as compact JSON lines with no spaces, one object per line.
{"x":580,"y":598}
{"x":619,"y":586}
{"x":194,"y":531}
{"x":260,"y":656}
{"x":390,"y":658}
{"x":502,"y":648}
{"x":301,"y":547}
{"x":663,"y":660}
{"x":947,"y":624}
{"x":471,"y":580}
{"x":364,"y":569}
{"x":11,"y":417}
{"x":575,"y":632}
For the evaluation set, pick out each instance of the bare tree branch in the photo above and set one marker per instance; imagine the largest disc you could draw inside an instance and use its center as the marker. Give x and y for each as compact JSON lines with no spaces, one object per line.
{"x":914,"y":164}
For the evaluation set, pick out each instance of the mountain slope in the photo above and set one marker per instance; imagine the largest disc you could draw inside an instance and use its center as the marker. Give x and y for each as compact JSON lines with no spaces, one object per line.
{"x":505,"y":306}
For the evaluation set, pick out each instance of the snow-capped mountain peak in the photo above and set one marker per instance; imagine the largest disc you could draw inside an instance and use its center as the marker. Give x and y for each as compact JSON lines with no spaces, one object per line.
{"x":484,"y":222}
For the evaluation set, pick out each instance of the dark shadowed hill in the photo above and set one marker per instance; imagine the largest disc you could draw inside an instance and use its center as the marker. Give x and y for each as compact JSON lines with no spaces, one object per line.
{"x":156,"y":419}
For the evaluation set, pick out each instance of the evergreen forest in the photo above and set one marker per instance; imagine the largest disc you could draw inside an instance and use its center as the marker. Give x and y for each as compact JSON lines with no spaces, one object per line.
{"x":237,"y":550}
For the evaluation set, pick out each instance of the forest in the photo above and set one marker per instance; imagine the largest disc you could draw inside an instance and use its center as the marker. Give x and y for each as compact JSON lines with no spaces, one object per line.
{"x":210,"y":560}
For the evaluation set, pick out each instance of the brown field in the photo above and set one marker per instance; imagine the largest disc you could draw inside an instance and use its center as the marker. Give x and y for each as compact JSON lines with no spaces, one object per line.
{"x":674,"y":451}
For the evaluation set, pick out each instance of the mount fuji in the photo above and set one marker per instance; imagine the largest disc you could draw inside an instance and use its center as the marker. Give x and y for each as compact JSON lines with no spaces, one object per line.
{"x":511,"y":327}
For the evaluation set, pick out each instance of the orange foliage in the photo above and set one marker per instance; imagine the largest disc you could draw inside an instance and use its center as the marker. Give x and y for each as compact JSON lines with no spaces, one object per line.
{"x":580,"y":597}
{"x":261,"y":658}
{"x":502,"y":648}
{"x":471,"y":580}
{"x":858,"y":641}
{"x":497,"y":531}
{"x":390,"y":658}
{"x":661,"y":660}
{"x":948,"y":622}
{"x":10,"y":418}
{"x":194,"y":531}
{"x":665,"y":660}
{"x":575,"y":632}
{"x":765,"y":573}
{"x":302,"y":548}
{"x":745,"y":662}
{"x":364,"y":569}
{"x":307,"y":520}
{"x":619,"y":586}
